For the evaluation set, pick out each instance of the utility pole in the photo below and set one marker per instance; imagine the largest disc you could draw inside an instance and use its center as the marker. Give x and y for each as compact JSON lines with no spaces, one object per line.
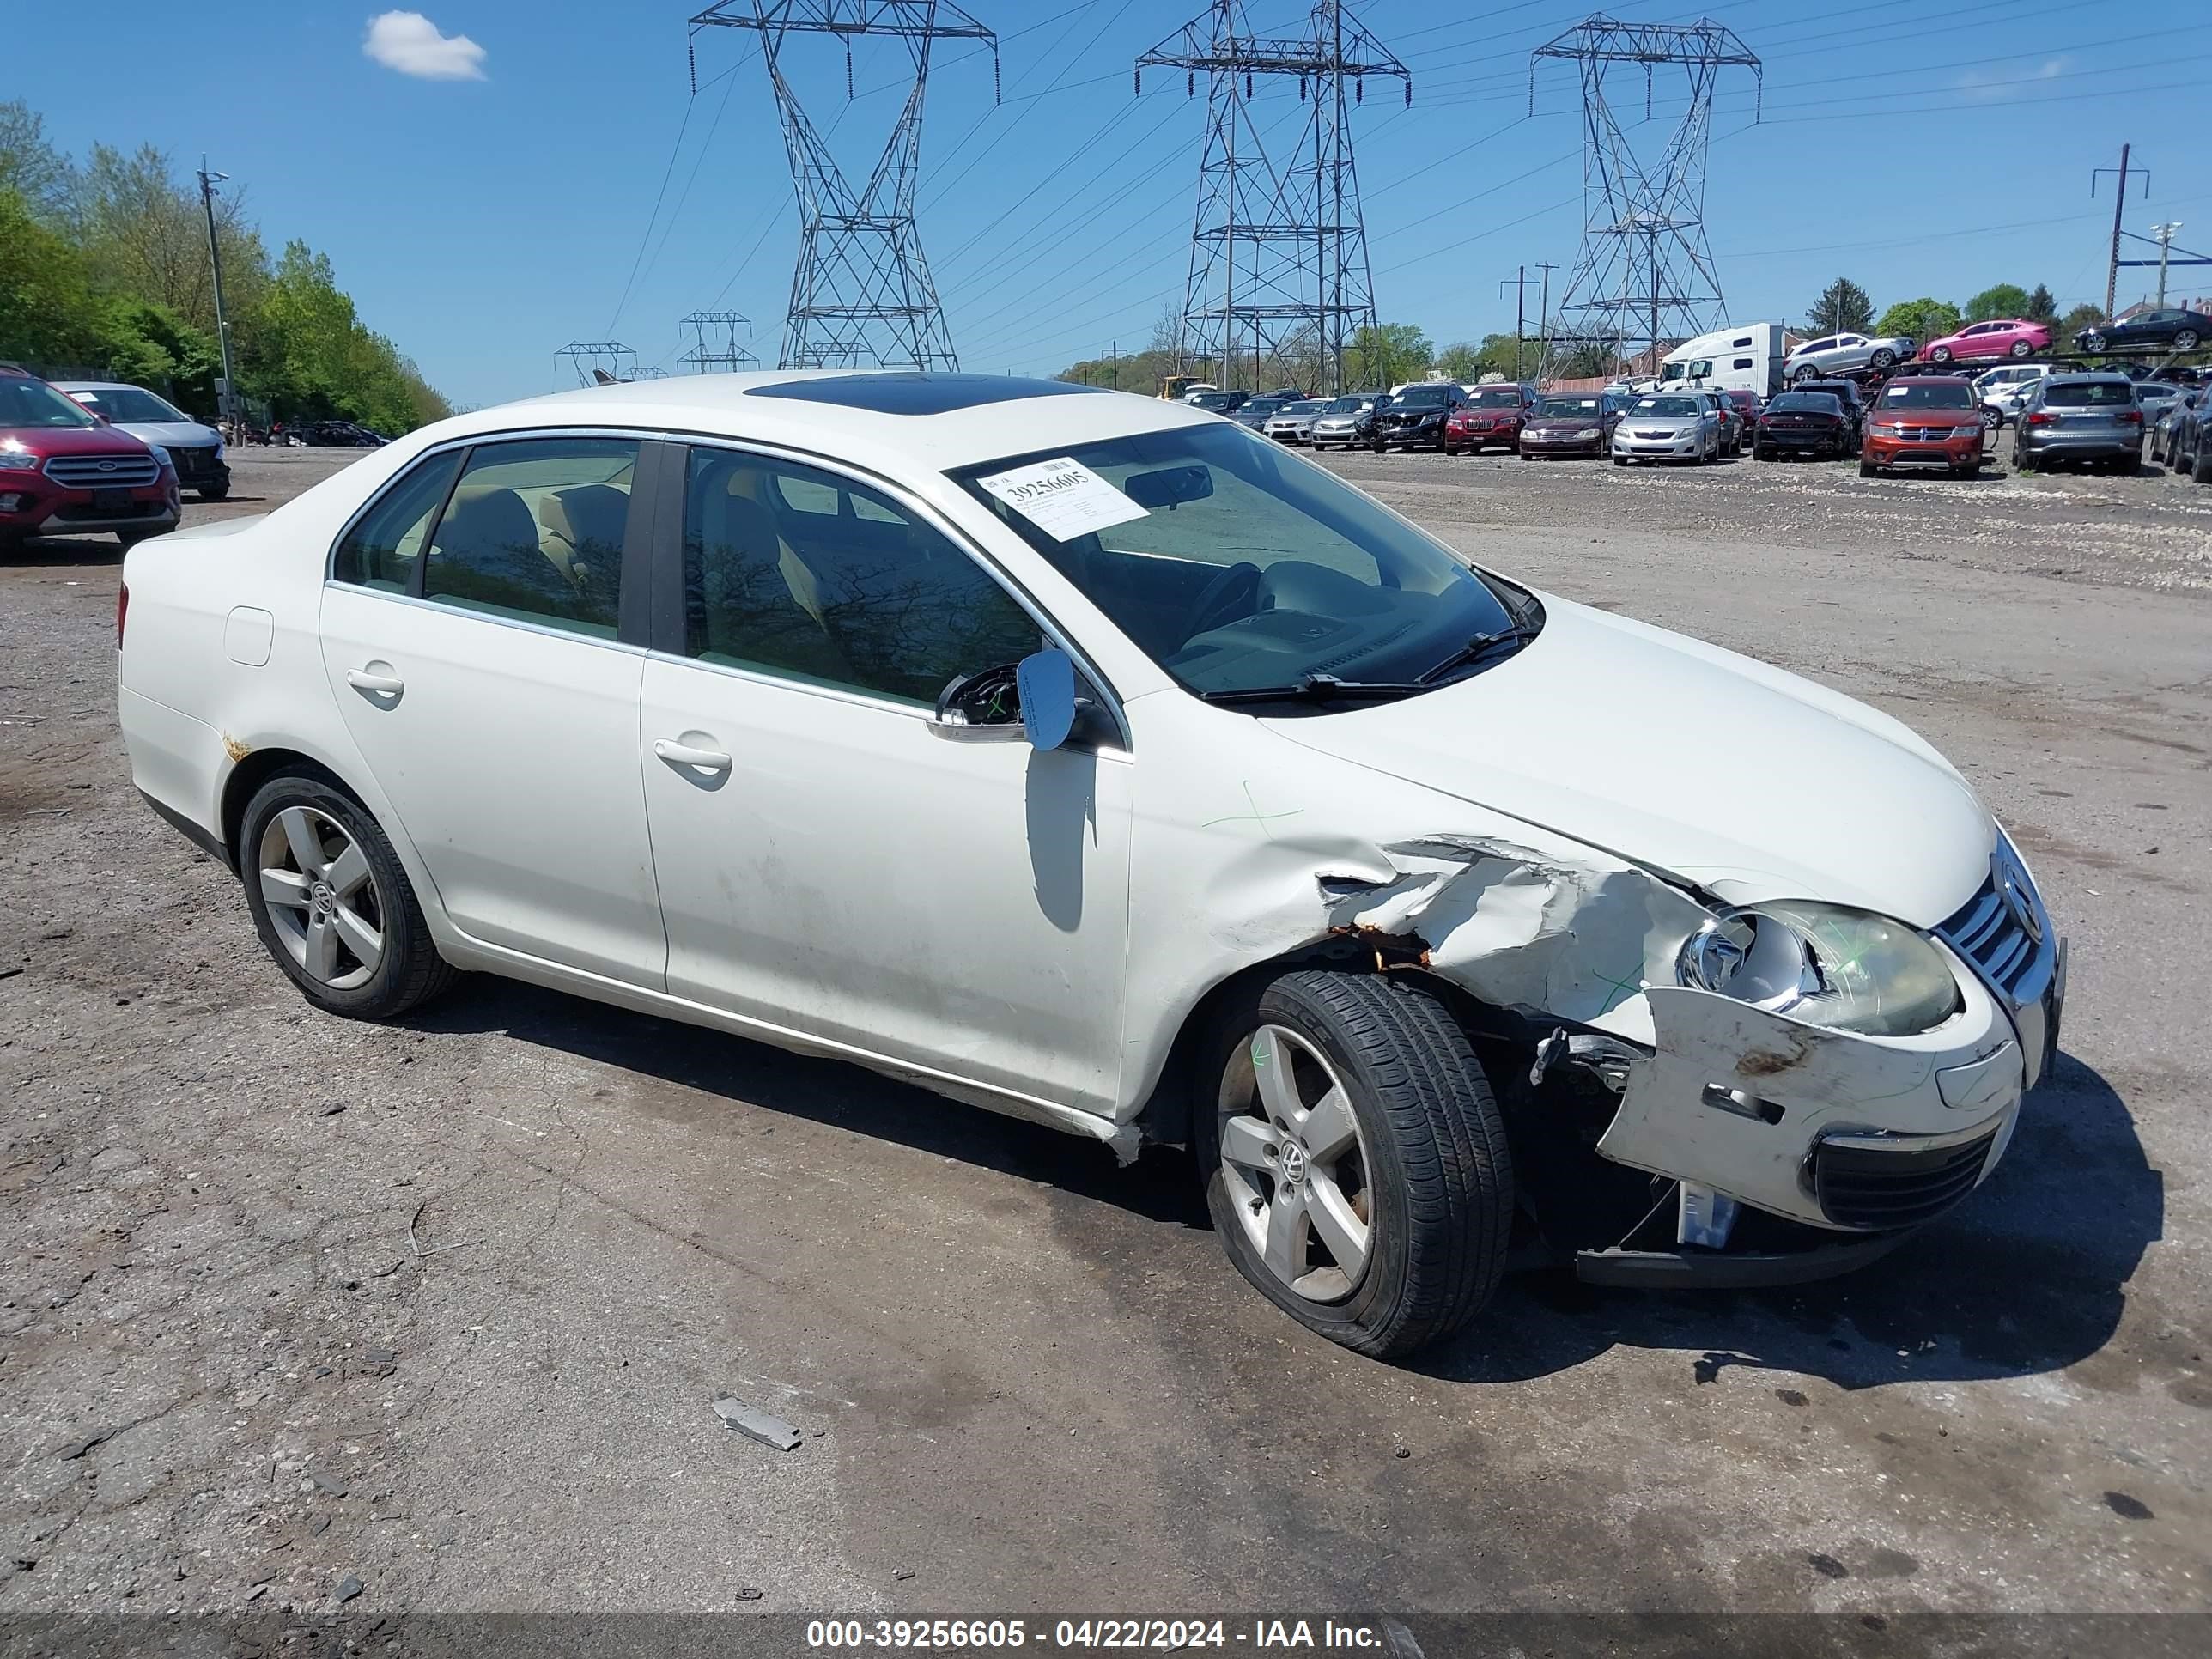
{"x":2120,"y":202}
{"x":1519,"y":315}
{"x":1544,"y":323}
{"x":1117,"y":365}
{"x":2165,"y":235}
{"x":227,"y":400}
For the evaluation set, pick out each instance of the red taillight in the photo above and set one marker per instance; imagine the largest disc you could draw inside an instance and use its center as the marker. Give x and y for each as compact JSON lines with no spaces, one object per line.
{"x":2132,"y":416}
{"x":122,"y":611}
{"x":2039,"y":418}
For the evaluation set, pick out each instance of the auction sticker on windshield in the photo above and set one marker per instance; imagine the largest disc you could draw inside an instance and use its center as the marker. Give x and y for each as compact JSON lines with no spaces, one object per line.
{"x":1062,"y":497}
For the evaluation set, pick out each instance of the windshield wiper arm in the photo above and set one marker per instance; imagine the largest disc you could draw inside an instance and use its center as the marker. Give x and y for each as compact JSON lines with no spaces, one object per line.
{"x":1477,"y":646}
{"x":1318,"y":688}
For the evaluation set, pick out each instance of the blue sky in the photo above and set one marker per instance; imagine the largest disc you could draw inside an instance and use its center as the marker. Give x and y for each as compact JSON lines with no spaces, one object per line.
{"x":1919,"y":147}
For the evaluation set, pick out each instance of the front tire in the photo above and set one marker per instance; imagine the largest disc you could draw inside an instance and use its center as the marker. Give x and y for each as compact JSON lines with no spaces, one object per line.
{"x":2021,"y":349}
{"x":1356,"y":1162}
{"x":1884,"y":358}
{"x":332,"y":903}
{"x":2200,"y":469}
{"x":212,"y":492}
{"x":1869,"y":470}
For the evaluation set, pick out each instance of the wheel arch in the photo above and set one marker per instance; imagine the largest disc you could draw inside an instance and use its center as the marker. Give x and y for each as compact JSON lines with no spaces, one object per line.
{"x":253,"y":771}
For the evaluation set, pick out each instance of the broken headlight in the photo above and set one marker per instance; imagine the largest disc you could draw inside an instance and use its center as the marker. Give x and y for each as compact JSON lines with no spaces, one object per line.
{"x":1826,"y":965}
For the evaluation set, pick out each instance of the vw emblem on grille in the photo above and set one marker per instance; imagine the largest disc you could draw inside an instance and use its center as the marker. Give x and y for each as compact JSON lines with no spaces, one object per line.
{"x":2017,"y":896}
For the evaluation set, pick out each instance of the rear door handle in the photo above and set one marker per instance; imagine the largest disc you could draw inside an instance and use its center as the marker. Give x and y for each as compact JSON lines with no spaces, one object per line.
{"x":382,"y":685}
{"x":682,"y":754}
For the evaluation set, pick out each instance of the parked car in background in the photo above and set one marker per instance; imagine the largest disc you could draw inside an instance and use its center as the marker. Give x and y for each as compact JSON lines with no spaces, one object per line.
{"x":1790,"y":979}
{"x":1848,"y":394}
{"x":1292,"y":423}
{"x":2189,"y":450}
{"x":1578,"y":423}
{"x":195,"y":449}
{"x":1832,"y":353}
{"x":1668,"y":426}
{"x":2005,"y":389}
{"x":2168,"y":329}
{"x":1219,"y":403}
{"x":1348,"y":420}
{"x":2157,"y":397}
{"x":2092,"y":418}
{"x":1802,"y":423}
{"x":342,"y":434}
{"x":1748,"y":404}
{"x":2167,"y":426}
{"x":1924,"y":421}
{"x":2013,"y":337}
{"x":64,"y":472}
{"x":1259,"y":411}
{"x":1491,"y":418}
{"x":1414,"y":419}
{"x":1732,"y":426}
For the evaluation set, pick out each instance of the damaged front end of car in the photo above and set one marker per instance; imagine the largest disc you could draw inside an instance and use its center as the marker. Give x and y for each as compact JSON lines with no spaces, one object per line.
{"x":1700,"y":1094}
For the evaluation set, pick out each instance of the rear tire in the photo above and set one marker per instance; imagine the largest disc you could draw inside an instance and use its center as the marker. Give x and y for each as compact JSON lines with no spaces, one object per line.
{"x":1940,"y":354}
{"x":332,"y":903}
{"x":2186,"y":340}
{"x":1355,"y":1159}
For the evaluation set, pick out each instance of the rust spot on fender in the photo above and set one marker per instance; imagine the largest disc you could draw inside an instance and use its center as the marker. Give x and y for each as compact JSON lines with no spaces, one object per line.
{"x":237,"y":751}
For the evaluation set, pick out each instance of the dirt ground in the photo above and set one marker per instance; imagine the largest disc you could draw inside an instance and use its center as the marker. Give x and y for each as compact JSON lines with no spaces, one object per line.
{"x":294,"y":1309}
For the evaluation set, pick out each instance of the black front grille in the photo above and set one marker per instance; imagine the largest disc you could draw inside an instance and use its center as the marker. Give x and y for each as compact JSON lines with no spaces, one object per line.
{"x":1861,"y":1183}
{"x":192,"y":461}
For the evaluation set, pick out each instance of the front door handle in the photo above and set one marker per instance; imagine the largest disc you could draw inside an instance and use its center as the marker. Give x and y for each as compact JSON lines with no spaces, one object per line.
{"x":682,"y":754}
{"x":380,"y":685}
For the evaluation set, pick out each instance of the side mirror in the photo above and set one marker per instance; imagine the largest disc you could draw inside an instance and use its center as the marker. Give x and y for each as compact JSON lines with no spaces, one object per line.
{"x":1046,"y":680}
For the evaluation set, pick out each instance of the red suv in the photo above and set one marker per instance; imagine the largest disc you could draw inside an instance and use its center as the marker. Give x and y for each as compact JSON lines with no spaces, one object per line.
{"x":64,"y":472}
{"x":1491,"y":415}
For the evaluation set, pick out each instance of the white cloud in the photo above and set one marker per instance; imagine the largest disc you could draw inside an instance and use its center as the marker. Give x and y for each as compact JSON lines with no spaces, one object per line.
{"x":1999,"y":89}
{"x":410,"y":42}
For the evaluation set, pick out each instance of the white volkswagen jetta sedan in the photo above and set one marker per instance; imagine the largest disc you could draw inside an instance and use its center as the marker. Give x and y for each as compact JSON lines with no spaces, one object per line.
{"x":1093,"y":759}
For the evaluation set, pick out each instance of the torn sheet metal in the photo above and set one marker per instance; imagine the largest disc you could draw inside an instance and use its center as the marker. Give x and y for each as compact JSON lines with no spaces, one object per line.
{"x":754,"y":1424}
{"x":1527,"y":931}
{"x":1735,"y":1097}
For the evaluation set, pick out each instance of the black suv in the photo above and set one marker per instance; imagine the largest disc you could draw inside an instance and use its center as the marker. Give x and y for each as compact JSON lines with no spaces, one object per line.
{"x":1415,"y":418}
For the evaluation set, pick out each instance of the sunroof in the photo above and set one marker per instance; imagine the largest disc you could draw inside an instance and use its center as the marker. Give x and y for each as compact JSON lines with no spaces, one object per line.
{"x":909,"y":393}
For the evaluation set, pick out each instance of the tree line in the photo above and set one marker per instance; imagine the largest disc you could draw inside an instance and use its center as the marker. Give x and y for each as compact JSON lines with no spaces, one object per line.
{"x":105,"y":274}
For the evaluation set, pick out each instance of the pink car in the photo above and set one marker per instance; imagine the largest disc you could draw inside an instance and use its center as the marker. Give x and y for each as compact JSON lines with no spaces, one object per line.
{"x":2011,"y":337}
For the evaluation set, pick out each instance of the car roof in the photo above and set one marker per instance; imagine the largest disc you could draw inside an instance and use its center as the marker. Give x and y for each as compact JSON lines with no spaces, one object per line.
{"x":96,"y":386}
{"x":893,"y":421}
{"x":2081,"y":377}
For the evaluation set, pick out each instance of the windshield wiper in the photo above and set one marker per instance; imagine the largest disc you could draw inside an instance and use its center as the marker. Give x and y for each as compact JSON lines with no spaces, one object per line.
{"x":1318,"y":688}
{"x":1477,"y":647}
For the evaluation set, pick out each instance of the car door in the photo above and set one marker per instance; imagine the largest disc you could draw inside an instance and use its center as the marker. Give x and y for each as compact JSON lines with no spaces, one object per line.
{"x":471,"y":633}
{"x":833,"y":860}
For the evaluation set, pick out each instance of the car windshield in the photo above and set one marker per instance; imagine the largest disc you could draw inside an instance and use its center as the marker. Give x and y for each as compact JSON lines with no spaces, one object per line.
{"x":1569,"y":409}
{"x":1216,"y":401}
{"x":1309,"y":407}
{"x":1351,"y":405}
{"x":1952,"y":396}
{"x":1261,"y":408}
{"x":1496,"y":397}
{"x":1670,"y":408}
{"x":28,"y":402}
{"x":2080,"y":394}
{"x":129,"y":403}
{"x":1420,"y":397}
{"x":1817,"y":403}
{"x":1237,"y":568}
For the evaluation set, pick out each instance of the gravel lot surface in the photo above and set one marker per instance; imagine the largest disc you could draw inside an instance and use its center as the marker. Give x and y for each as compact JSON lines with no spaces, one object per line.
{"x":289,"y":1301}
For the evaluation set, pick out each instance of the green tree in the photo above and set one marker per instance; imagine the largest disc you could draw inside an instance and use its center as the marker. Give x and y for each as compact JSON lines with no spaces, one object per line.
{"x":1380,"y":357}
{"x":31,"y":167}
{"x":144,"y":342}
{"x":45,"y":303}
{"x":2004,"y":299}
{"x":1842,"y":305}
{"x":2041,"y":306}
{"x":1919,"y":321}
{"x":2082,"y":317}
{"x":1463,"y":363}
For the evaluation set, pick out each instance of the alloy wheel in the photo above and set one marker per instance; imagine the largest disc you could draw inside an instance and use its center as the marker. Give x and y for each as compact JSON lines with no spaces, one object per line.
{"x":1296,"y":1165}
{"x":322,"y":897}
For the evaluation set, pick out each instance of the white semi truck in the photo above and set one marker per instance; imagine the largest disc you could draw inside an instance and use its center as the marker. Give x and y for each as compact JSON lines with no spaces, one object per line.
{"x":1746,"y":358}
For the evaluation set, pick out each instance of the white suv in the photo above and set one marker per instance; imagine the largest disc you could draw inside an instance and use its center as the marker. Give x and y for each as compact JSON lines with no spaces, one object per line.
{"x":2005,"y":389}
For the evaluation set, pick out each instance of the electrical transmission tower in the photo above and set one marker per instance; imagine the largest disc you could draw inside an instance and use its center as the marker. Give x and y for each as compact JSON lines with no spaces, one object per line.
{"x":1643,"y":258}
{"x":1278,"y":254}
{"x":599,"y":363}
{"x":862,"y":294}
{"x":714,"y":348}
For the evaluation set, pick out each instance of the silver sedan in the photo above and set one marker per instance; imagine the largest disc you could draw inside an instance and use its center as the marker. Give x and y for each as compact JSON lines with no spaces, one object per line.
{"x":1668,"y":426}
{"x":1293,"y":423}
{"x":1834,"y":354}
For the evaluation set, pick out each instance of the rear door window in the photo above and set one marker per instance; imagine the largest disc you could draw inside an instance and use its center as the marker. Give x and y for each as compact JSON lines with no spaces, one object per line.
{"x":380,"y":549}
{"x":535,"y":531}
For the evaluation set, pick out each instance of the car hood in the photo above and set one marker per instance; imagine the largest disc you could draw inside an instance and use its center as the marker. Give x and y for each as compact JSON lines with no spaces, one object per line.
{"x":1639,"y":421}
{"x":1566,"y":423}
{"x":171,"y":435}
{"x":1721,"y":772}
{"x":1882,"y":417}
{"x":73,"y":440}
